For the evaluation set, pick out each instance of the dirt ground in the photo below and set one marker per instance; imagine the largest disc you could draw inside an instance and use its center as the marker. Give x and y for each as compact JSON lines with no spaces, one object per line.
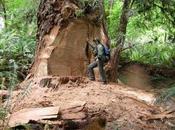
{"x":124,"y":108}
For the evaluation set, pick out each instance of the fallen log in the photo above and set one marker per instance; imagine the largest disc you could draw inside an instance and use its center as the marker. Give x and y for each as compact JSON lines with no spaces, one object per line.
{"x":167,"y":114}
{"x":160,"y":117}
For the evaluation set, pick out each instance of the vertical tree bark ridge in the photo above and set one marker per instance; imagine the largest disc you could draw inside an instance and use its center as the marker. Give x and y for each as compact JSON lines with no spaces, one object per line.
{"x":61,"y":46}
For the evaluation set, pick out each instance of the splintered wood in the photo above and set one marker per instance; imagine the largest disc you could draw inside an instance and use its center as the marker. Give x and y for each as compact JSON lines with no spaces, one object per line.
{"x":24,"y":116}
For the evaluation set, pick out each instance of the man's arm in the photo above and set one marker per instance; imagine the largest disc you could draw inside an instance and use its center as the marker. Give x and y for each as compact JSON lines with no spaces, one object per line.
{"x":100,"y":51}
{"x":92,"y":48}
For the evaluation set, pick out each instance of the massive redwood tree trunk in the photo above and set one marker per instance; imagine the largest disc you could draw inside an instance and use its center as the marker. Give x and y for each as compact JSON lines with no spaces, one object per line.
{"x":62,"y":53}
{"x":63,"y":28}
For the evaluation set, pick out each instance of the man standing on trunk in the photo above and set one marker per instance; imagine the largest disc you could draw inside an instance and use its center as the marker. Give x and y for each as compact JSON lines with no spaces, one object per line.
{"x":102,"y":56}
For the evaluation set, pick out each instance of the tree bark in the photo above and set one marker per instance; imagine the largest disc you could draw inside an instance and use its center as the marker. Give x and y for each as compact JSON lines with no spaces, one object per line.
{"x":106,"y":39}
{"x":120,"y":40}
{"x":62,"y":34}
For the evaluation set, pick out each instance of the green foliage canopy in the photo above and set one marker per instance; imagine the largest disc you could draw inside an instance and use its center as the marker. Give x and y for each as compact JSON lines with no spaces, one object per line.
{"x":151,"y":21}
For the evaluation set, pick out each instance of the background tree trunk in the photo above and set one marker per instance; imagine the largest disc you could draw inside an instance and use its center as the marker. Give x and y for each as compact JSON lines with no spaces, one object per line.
{"x":63,"y":28}
{"x":120,"y":40}
{"x":2,"y":3}
{"x":104,"y":24}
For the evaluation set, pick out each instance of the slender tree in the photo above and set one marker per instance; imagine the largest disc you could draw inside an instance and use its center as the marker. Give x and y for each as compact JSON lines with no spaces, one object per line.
{"x":121,"y":34}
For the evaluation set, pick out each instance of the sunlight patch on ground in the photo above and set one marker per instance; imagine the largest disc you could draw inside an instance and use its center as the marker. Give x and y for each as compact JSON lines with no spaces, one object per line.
{"x":144,"y":96}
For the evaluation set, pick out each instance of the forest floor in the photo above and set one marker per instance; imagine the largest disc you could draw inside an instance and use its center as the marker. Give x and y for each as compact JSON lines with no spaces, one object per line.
{"x":123,"y":107}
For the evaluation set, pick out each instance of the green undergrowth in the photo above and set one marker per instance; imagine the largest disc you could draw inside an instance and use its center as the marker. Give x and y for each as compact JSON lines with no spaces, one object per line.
{"x":166,"y":95}
{"x":17,"y":42}
{"x":160,"y":54}
{"x":16,"y":54}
